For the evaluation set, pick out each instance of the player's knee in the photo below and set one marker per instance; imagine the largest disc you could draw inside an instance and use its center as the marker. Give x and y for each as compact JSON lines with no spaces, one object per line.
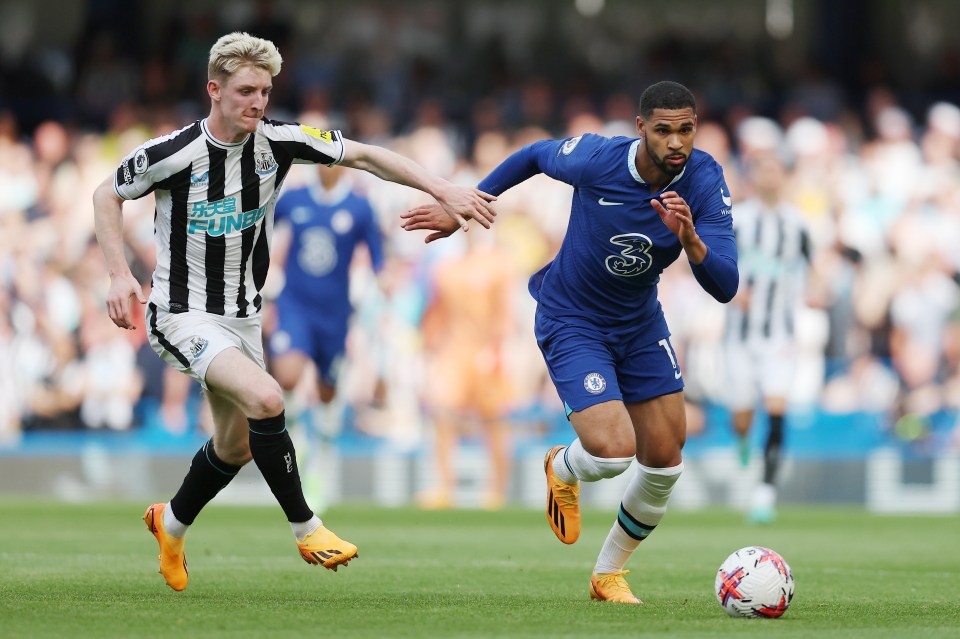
{"x":327,"y":393}
{"x":681,"y":441}
{"x":742,"y":421}
{"x":663,"y":453}
{"x":266,"y":402}
{"x":611,"y":449}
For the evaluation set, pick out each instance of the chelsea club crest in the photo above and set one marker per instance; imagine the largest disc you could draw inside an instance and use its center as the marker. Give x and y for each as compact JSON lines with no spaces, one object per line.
{"x":594,"y":383}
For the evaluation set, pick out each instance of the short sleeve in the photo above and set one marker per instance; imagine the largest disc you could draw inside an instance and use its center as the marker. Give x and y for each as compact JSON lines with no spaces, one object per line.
{"x":135,"y":176}
{"x":306,"y":144}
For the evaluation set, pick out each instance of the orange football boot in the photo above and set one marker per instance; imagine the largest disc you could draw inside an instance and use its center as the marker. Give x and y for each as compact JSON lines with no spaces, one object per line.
{"x":563,"y":502}
{"x":173,"y":562}
{"x":323,"y":548}
{"x":612,"y":587}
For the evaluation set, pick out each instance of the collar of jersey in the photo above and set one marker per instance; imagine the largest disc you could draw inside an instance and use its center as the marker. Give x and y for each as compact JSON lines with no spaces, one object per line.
{"x":632,"y":165}
{"x":334,"y":196}
{"x":220,"y":143}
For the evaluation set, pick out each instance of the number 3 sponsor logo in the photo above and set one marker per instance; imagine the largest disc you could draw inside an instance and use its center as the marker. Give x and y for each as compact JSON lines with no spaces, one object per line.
{"x":634,"y":259}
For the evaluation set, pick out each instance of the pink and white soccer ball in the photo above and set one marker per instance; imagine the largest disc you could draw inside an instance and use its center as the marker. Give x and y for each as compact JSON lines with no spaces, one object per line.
{"x":754,"y":582}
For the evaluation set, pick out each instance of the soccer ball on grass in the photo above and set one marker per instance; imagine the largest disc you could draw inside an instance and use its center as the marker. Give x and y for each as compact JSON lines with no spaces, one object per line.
{"x":754,"y":582}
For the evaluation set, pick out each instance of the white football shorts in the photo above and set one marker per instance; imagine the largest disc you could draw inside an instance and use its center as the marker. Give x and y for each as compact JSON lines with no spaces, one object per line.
{"x":189,"y":341}
{"x":757,"y":369}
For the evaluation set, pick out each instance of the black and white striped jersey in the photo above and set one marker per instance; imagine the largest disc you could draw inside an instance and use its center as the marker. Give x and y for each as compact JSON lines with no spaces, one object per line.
{"x":774,"y":252}
{"x":214,"y":209}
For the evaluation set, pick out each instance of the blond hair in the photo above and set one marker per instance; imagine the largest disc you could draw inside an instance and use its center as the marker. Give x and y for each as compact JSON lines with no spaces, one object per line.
{"x":237,"y":49}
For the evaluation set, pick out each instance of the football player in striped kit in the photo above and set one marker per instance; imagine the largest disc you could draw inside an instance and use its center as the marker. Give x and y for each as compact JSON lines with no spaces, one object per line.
{"x":638,"y":204}
{"x":759,"y":342}
{"x":216,"y":183}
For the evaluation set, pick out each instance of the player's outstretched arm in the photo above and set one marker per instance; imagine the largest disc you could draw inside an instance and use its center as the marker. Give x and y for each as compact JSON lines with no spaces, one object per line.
{"x":108,"y":223}
{"x":519,"y":166}
{"x":459,"y":202}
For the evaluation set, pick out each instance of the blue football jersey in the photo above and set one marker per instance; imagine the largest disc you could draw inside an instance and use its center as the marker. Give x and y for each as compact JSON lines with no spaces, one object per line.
{"x":326,"y":229}
{"x":616,"y":246}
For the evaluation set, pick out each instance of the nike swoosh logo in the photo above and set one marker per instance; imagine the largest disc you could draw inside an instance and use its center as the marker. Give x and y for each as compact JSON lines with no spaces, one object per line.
{"x":727,"y":200}
{"x":603,"y":202}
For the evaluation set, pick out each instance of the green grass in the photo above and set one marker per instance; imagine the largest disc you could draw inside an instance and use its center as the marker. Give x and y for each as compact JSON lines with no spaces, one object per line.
{"x":91,"y":571}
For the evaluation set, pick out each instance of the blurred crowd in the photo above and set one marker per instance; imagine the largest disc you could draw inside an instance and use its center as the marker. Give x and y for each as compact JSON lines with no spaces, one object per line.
{"x":882,"y":334}
{"x":879,"y":187}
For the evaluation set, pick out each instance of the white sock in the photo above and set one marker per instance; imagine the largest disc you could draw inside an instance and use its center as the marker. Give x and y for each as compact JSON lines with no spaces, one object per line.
{"x":303,"y":528}
{"x":173,"y":526}
{"x":644,"y":503}
{"x":575,"y":463}
{"x":326,"y":419}
{"x":292,"y":406}
{"x":764,"y":497}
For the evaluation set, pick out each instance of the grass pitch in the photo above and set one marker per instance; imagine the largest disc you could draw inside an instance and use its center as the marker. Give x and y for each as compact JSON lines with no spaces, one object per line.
{"x":91,"y":571}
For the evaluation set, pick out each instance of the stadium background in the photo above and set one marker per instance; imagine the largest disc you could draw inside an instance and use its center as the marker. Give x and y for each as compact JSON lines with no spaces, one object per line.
{"x":864,"y":96}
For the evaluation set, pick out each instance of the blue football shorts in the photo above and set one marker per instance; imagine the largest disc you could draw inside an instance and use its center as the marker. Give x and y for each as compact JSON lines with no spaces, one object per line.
{"x":591,"y":365}
{"x":308,"y":331}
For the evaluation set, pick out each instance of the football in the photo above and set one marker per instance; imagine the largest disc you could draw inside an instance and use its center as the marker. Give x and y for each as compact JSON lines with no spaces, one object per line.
{"x":754,"y":582}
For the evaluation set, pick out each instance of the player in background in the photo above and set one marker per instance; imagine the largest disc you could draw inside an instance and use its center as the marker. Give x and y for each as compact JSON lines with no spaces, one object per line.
{"x":319,"y":227}
{"x":466,"y":329}
{"x":638,"y":203}
{"x":759,"y":344}
{"x":215,"y":183}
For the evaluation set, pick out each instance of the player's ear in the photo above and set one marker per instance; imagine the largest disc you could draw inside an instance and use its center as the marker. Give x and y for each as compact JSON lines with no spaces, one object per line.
{"x":213,"y":90}
{"x":640,"y":125}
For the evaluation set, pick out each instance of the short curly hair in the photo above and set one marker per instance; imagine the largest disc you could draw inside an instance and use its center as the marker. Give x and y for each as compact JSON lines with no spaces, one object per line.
{"x":666,"y":95}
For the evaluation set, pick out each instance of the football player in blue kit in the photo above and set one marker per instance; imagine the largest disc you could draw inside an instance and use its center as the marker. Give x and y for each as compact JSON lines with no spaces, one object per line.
{"x":637,"y":204}
{"x":319,"y":227}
